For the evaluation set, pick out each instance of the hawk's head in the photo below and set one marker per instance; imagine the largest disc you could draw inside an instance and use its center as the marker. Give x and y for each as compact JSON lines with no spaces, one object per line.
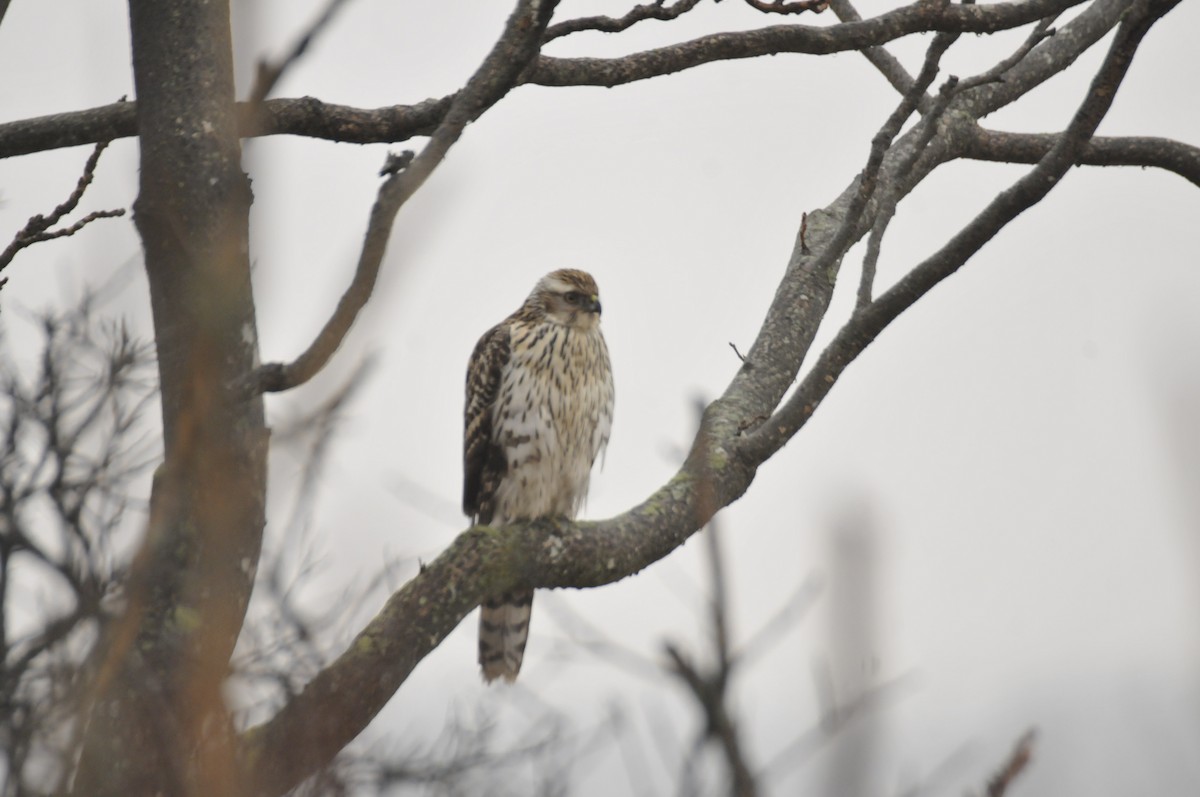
{"x":568,"y":297}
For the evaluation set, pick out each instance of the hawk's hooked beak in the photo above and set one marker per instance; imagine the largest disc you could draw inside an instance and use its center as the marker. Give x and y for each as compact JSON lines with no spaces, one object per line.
{"x":593,"y":304}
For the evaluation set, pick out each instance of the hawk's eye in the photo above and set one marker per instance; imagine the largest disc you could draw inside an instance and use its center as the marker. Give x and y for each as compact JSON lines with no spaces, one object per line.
{"x":572,"y":297}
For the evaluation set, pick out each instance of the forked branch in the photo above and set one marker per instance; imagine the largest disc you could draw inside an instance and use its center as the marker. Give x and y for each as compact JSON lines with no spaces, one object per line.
{"x":718,"y":470}
{"x":866,"y":325}
{"x":497,"y":74}
{"x":37,"y":229}
{"x":269,"y":72}
{"x":657,"y":10}
{"x":315,"y":119}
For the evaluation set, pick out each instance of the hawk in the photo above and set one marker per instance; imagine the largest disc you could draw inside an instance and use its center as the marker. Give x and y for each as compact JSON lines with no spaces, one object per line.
{"x":538,"y":412}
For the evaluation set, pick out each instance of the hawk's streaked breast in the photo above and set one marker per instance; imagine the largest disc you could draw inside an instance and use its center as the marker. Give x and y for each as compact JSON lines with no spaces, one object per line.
{"x":538,"y":412}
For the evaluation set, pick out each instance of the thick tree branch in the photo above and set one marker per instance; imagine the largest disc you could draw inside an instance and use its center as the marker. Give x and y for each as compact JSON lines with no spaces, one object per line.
{"x":484,"y":561}
{"x":1145,"y":151}
{"x":801,"y":301}
{"x":1049,"y":58}
{"x":495,"y":77}
{"x":480,"y":562}
{"x":866,"y":324}
{"x":315,"y":119}
{"x":919,"y":17}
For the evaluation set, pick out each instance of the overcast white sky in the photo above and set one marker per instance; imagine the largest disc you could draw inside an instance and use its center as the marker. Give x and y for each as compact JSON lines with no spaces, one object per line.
{"x":1024,"y":441}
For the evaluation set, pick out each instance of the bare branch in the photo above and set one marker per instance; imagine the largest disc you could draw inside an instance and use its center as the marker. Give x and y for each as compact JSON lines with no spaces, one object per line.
{"x":71,"y":446}
{"x":847,"y":233}
{"x":788,"y":6}
{"x":37,"y":229}
{"x":918,"y":17}
{"x":497,"y":74}
{"x":1051,"y":57}
{"x":924,"y":134}
{"x":866,"y":325}
{"x":1161,"y":153}
{"x":315,"y":119}
{"x":996,"y":73}
{"x":656,"y":10}
{"x":710,"y":686}
{"x":887,"y":64}
{"x":1013,"y":766}
{"x":268,"y":73}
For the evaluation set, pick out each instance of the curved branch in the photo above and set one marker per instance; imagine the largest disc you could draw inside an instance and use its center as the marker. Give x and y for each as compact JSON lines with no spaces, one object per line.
{"x":481,"y":561}
{"x":920,"y":17}
{"x":1052,"y":56}
{"x":657,"y":10}
{"x":800,"y":303}
{"x":888,"y":65}
{"x":269,"y":73}
{"x":1160,"y":153}
{"x":495,"y":77}
{"x":315,"y":119}
{"x":866,"y":325}
{"x":37,"y":229}
{"x":720,"y":466}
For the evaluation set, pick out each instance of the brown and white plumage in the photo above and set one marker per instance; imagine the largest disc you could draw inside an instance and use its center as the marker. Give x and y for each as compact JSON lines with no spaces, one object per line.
{"x":538,"y":412}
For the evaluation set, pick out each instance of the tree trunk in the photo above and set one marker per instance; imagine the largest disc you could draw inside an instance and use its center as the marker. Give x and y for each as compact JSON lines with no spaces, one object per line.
{"x":159,"y":724}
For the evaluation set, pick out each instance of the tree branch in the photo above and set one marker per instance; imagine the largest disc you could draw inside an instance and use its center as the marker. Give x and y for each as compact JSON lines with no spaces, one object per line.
{"x":1016,"y":763}
{"x":37,"y":229}
{"x":1049,"y":58}
{"x":1161,"y":153}
{"x":657,"y":10}
{"x":315,"y":119}
{"x":497,"y":74}
{"x":919,"y":17}
{"x":866,"y":325}
{"x":483,"y":561}
{"x":802,"y":299}
{"x":268,"y":73}
{"x":887,"y":64}
{"x":788,"y":6}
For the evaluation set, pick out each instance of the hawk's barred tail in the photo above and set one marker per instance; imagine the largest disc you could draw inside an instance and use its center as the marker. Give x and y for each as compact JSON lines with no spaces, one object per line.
{"x":503,"y":629}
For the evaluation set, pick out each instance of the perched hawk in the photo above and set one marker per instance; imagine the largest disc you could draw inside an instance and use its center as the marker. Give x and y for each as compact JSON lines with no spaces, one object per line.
{"x":539,"y":410}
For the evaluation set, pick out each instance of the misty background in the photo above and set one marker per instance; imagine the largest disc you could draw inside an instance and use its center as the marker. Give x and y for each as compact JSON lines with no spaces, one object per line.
{"x":997,"y":502}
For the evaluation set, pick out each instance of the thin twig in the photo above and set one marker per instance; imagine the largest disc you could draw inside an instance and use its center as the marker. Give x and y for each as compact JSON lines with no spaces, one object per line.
{"x":1016,"y":763}
{"x":788,"y":6}
{"x":882,"y":141}
{"x":269,"y":73}
{"x":926,"y":130}
{"x":888,"y":65}
{"x":656,"y":10}
{"x":933,"y":112}
{"x":996,"y":73}
{"x":498,"y":73}
{"x":37,"y":229}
